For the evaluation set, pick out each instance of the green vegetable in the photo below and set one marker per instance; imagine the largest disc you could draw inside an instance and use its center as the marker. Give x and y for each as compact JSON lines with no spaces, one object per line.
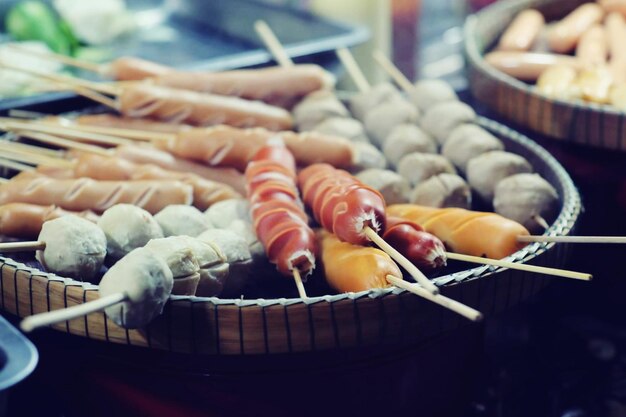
{"x":34,"y":20}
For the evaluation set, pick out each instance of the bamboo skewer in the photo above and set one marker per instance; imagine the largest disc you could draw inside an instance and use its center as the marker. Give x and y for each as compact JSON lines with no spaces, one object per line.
{"x":573,"y":239}
{"x":353,"y":69}
{"x":403,"y":261}
{"x":9,"y":247}
{"x":18,"y":166}
{"x":393,"y":71}
{"x":53,"y":153}
{"x":520,"y":266}
{"x":446,"y":302}
{"x":65,"y":143}
{"x":135,"y":135}
{"x":15,"y":125}
{"x":66,"y":60}
{"x":57,"y":316}
{"x":273,"y":44}
{"x":31,"y":158}
{"x":299,"y":284}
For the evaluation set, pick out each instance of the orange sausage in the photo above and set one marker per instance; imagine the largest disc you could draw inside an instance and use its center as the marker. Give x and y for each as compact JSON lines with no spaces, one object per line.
{"x":87,"y":194}
{"x":25,"y":220}
{"x":564,"y":35}
{"x":133,"y":69}
{"x":464,"y":231}
{"x":205,"y":192}
{"x":616,"y":33}
{"x":592,"y":49}
{"x":354,"y":268}
{"x":522,"y":32}
{"x":528,"y":66}
{"x":199,"y":109}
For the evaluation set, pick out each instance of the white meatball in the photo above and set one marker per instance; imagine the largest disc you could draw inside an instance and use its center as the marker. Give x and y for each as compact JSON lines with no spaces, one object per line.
{"x":417,"y":167}
{"x":237,"y":254}
{"x":382,"y":119}
{"x":362,"y":103}
{"x":405,"y":139}
{"x":317,"y":107}
{"x":344,"y":127}
{"x":391,"y":185}
{"x":521,"y":197}
{"x":127,"y":227}
{"x":223,"y":213}
{"x":75,"y":247}
{"x":485,"y":171}
{"x":428,"y":93}
{"x":246,"y":230}
{"x":367,"y":156}
{"x":468,"y":141}
{"x":147,"y":281}
{"x":177,"y":255}
{"x":178,"y":220}
{"x":440,"y":120}
{"x":443,"y":190}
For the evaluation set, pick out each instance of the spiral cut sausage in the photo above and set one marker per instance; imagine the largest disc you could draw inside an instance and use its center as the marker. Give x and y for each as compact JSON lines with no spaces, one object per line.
{"x":278,"y":85}
{"x":25,"y":220}
{"x":87,"y":194}
{"x":354,"y":268}
{"x":232,"y":147}
{"x":341,"y":203}
{"x":423,"y":249}
{"x":277,"y":212}
{"x":205,"y":192}
{"x":465,"y":231}
{"x":282,"y":86}
{"x":163,"y":159}
{"x":199,"y":109}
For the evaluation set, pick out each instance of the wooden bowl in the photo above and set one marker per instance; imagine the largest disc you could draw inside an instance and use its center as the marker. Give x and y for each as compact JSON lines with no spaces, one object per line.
{"x":215,"y":326}
{"x":576,"y":121}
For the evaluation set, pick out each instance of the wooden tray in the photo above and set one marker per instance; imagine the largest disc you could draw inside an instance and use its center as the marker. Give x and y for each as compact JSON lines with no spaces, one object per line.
{"x":217,"y":326}
{"x":576,"y":121}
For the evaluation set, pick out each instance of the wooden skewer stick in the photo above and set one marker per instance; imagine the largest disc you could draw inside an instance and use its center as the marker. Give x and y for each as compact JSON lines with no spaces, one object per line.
{"x":133,"y":134}
{"x":64,"y":143}
{"x":18,"y":166}
{"x":3,"y":180}
{"x":273,"y":44}
{"x":71,"y":81}
{"x":9,"y":247}
{"x":299,"y":283}
{"x":520,"y":266}
{"x":393,"y":71}
{"x":403,"y":261}
{"x":57,"y":316}
{"x":30,"y":149}
{"x":25,"y":157}
{"x":67,"y":60}
{"x":446,"y":302}
{"x":573,"y":239}
{"x":353,"y":69}
{"x":541,"y":221}
{"x":13,"y":125}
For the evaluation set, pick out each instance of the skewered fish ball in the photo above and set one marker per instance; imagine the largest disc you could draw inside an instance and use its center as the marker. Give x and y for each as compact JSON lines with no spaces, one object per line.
{"x":367,"y":156}
{"x":181,"y":220}
{"x":75,"y":247}
{"x":485,"y":171}
{"x":417,"y":167}
{"x":344,"y":127}
{"x":363,"y":102}
{"x":428,"y":93}
{"x":246,"y":230}
{"x":443,"y":190}
{"x":127,"y":227}
{"x":382,"y":119}
{"x":521,"y":197}
{"x":468,"y":141}
{"x":405,"y":139}
{"x":237,"y":255}
{"x":441,"y":119}
{"x":391,"y":185}
{"x":317,"y":107}
{"x":147,"y":281}
{"x":221,"y":214}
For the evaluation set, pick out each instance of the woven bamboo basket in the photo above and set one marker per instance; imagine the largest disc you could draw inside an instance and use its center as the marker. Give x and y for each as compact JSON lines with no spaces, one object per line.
{"x":575,"y":121}
{"x":214,"y":326}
